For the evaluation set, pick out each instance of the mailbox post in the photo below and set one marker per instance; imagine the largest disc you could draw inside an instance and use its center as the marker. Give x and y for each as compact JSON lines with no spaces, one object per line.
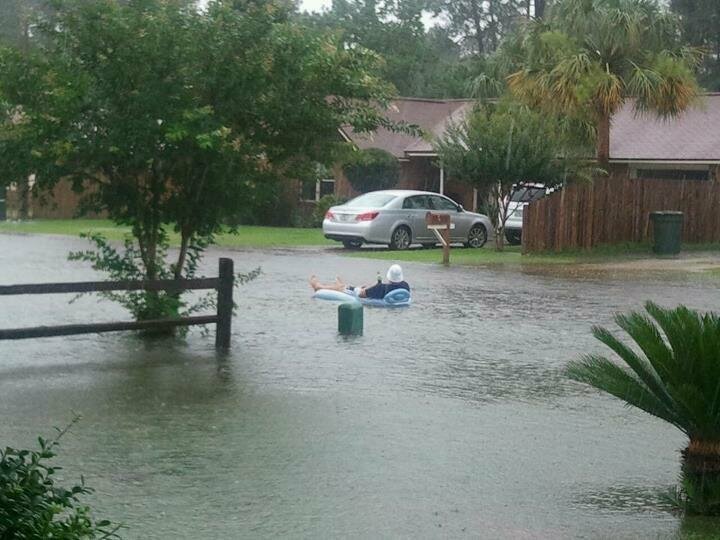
{"x":440,"y":225}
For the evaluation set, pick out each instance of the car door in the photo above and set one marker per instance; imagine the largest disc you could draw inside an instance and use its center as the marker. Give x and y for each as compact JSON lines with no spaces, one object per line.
{"x":443,"y":205}
{"x":416,"y":206}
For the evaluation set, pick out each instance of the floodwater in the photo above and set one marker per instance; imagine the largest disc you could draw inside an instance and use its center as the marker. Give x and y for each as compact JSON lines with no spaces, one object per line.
{"x":449,"y":419}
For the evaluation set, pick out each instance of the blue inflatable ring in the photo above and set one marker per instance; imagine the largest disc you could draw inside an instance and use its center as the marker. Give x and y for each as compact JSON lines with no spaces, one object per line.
{"x":395,"y":298}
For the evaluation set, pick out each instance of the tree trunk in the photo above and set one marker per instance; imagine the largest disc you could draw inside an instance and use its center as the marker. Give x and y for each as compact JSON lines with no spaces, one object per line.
{"x":603,"y":141}
{"x":701,"y":477}
{"x":478,"y":23}
{"x":184,"y":243}
{"x":500,"y":238}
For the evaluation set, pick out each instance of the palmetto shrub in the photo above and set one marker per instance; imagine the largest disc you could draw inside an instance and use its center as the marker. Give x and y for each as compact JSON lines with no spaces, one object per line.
{"x":673,"y":373}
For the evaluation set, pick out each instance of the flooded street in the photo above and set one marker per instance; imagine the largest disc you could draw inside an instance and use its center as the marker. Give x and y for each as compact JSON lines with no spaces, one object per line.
{"x":448,"y":419}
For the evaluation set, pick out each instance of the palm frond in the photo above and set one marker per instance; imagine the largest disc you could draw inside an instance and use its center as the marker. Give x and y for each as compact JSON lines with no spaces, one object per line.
{"x":673,"y":369}
{"x":643,"y":368}
{"x":607,"y":376}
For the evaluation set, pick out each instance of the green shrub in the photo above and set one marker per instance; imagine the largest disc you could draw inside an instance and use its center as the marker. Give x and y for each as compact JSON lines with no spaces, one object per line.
{"x":323,"y":206}
{"x":372,"y":169}
{"x":32,"y":506}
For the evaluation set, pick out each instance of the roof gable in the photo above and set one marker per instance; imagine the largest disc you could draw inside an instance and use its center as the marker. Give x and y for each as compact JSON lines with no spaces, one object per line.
{"x":430,"y":115}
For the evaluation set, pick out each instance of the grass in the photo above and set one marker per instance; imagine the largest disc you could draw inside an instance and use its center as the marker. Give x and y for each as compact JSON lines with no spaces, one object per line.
{"x":246,"y":236}
{"x":253,"y":236}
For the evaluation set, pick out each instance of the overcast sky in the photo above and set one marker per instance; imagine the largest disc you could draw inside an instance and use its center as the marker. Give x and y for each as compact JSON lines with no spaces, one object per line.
{"x":314,"y":5}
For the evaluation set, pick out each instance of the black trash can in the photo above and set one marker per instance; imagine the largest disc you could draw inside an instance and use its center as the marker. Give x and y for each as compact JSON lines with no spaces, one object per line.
{"x":667,"y":232}
{"x":3,"y":213}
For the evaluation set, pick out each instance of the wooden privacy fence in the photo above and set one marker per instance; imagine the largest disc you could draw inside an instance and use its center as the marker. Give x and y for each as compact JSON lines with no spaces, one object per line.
{"x":617,"y":210}
{"x":223,"y":284}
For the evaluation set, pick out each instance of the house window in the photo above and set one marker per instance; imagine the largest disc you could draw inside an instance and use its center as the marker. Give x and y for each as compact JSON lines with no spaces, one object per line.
{"x":673,"y":174}
{"x":314,"y":191}
{"x":327,"y":187}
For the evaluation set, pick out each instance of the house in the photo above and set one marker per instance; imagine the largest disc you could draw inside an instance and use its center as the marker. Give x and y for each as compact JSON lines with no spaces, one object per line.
{"x":641,"y":146}
{"x":418,"y":160}
{"x":683,"y":148}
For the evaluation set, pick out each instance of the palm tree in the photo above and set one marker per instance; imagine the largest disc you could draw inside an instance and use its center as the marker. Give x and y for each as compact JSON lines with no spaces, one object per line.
{"x":674,"y":374}
{"x":590,"y":56}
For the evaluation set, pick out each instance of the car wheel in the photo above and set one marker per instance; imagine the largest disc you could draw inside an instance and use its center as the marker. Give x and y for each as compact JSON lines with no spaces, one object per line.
{"x":513,"y":238}
{"x":400,"y":238}
{"x":352,"y":244}
{"x":477,"y":236}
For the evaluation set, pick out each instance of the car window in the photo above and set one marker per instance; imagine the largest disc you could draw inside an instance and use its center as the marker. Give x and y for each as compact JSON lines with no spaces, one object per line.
{"x":371,"y":200}
{"x":441,"y":203}
{"x":416,"y":202}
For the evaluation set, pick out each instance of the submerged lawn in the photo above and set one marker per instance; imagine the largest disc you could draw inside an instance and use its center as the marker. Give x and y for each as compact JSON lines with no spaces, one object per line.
{"x":254,"y":236}
{"x":465,"y":256}
{"x":512,"y":255}
{"x":246,"y":236}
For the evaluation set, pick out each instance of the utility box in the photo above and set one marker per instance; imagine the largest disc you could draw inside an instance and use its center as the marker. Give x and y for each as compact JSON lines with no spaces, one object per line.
{"x":350,"y":319}
{"x":667,"y":232}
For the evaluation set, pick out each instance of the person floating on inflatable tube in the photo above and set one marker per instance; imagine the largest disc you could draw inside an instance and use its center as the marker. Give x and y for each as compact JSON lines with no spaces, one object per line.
{"x":377,"y":291}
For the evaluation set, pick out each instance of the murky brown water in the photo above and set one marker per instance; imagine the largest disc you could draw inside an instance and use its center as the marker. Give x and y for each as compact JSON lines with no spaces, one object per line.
{"x":448,"y":419}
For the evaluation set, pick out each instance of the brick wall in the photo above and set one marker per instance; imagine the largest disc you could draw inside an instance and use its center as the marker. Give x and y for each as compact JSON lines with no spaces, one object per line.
{"x":60,"y":203}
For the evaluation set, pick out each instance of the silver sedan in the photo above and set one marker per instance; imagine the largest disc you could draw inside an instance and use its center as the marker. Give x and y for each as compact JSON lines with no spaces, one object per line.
{"x":397,"y":218}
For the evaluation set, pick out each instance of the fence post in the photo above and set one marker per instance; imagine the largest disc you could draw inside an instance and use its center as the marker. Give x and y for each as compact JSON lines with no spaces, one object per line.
{"x":223,"y":327}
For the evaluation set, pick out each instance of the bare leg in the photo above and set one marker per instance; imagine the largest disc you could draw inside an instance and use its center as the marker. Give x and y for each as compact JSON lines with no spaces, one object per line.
{"x":337,"y":286}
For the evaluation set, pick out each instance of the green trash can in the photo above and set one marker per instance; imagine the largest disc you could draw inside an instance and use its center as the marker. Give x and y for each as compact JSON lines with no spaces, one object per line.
{"x":667,"y":232}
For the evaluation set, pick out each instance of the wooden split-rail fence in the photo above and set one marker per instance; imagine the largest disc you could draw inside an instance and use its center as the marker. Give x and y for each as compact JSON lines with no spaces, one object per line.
{"x":223,"y":284}
{"x":617,"y":210}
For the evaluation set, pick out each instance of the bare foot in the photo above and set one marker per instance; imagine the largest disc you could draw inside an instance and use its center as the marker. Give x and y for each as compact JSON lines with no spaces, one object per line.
{"x":314,"y":282}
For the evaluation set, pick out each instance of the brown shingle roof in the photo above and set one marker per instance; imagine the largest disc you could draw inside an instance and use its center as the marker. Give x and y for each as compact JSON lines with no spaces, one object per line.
{"x":426,"y":113}
{"x":693,"y":136}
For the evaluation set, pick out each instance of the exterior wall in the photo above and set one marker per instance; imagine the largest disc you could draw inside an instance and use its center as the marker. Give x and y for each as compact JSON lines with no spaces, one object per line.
{"x":60,"y":203}
{"x":624,"y":170}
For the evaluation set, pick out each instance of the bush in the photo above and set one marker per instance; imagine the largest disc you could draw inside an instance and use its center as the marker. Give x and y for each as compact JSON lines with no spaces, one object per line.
{"x":671,"y":371}
{"x":323,"y":206}
{"x":372,"y":169}
{"x":32,"y":506}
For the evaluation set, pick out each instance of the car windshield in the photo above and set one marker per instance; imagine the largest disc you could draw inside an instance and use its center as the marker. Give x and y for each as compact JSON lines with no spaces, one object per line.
{"x":527,"y":194}
{"x":370,"y":200}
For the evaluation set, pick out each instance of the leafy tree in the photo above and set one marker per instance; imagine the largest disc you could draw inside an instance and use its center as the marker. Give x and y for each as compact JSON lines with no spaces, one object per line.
{"x":33,"y":506}
{"x":169,"y":117}
{"x":418,"y":61}
{"x":700,"y":23}
{"x":590,"y":56}
{"x":479,"y":25}
{"x":16,"y":20}
{"x":673,"y":373}
{"x":372,"y":169}
{"x":499,"y":148}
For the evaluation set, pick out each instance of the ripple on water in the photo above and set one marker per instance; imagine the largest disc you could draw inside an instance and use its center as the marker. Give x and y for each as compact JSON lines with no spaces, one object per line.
{"x":451,"y":418}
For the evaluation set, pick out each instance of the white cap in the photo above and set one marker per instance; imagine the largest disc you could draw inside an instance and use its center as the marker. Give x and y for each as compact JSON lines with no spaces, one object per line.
{"x":395,"y":274}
